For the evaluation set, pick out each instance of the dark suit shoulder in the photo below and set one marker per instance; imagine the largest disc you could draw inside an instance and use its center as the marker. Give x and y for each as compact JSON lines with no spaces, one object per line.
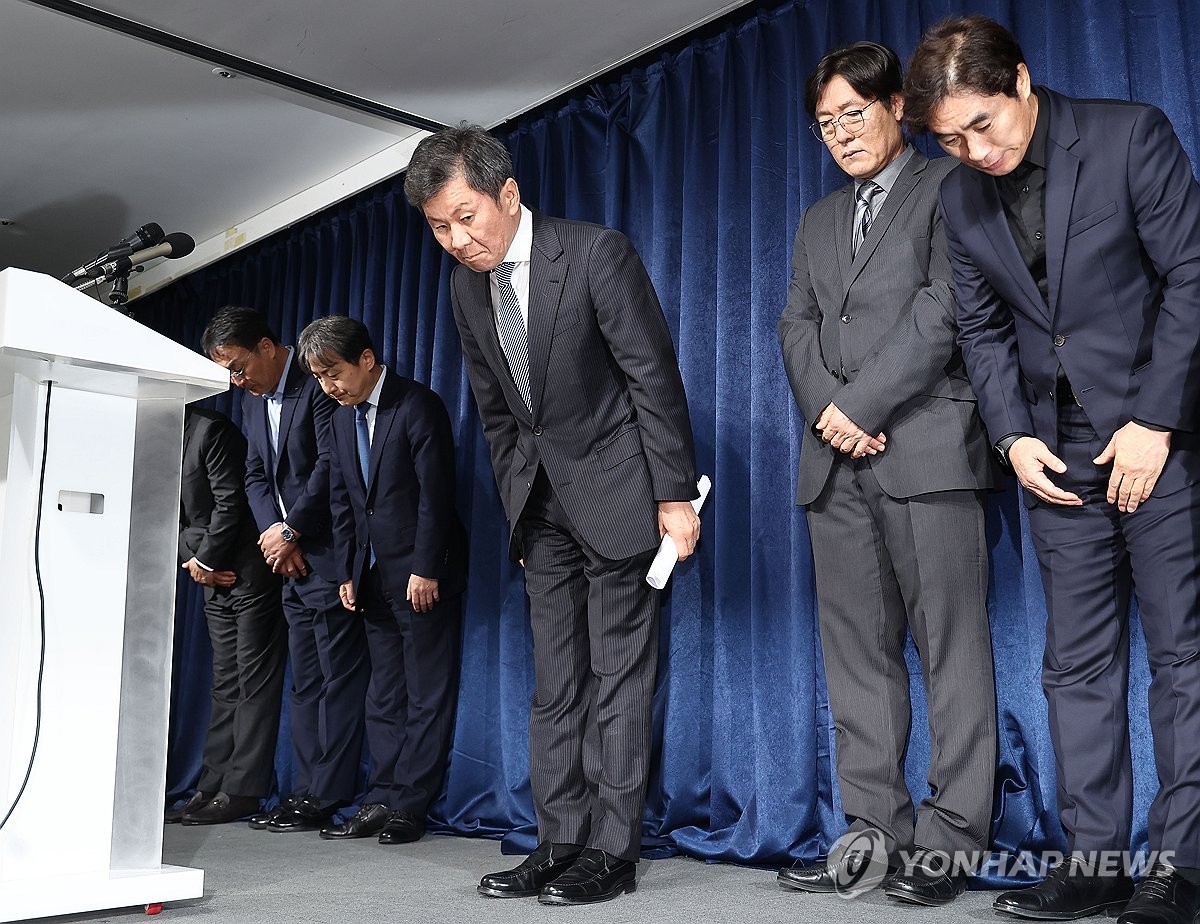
{"x":938,"y":168}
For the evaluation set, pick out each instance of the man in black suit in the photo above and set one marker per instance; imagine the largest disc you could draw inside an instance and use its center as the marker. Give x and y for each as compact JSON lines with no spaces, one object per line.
{"x":574,"y":373}
{"x":286,"y":420}
{"x":1073,"y":229}
{"x":218,"y":546}
{"x":400,"y":553}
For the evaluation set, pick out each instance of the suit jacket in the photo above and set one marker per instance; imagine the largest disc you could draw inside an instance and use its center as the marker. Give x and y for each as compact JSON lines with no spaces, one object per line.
{"x":874,"y":333}
{"x":299,"y":471}
{"x":406,"y":511}
{"x":215,"y":523}
{"x":1123,"y":267}
{"x":609,"y":422}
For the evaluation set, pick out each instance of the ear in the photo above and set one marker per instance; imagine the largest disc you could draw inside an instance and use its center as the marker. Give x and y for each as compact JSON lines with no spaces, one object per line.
{"x":898,"y":106}
{"x":1024,"y":82}
{"x":367,"y":360}
{"x":266,"y":348}
{"x":510,"y":197}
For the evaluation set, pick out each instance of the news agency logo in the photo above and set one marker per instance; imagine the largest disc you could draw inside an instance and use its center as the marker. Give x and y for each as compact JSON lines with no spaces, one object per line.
{"x":859,"y":860}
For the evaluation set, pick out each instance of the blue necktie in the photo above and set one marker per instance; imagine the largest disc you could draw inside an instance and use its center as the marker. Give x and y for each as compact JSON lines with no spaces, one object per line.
{"x":364,"y":439}
{"x":513,"y":336}
{"x":363,"y":432}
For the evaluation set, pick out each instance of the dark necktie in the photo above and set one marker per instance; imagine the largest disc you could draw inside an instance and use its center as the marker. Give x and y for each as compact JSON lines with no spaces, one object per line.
{"x":866,"y":196}
{"x":513,"y":336}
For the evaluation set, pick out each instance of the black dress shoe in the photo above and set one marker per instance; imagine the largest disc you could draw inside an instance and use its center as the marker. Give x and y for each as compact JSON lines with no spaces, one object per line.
{"x":852,"y":872}
{"x":1072,"y":890}
{"x":366,"y":822}
{"x":262,"y":820}
{"x":222,"y":809}
{"x":595,"y":876}
{"x":305,"y":815}
{"x":543,"y":866}
{"x":199,"y":798}
{"x":1163,"y":897}
{"x":402,"y":828}
{"x":930,"y":879}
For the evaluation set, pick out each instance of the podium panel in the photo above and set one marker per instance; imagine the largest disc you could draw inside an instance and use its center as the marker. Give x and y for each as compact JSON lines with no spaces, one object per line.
{"x":90,"y":445}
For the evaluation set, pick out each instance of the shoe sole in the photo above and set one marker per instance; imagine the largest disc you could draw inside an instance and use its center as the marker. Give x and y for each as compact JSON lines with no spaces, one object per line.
{"x":1109,"y":909}
{"x":914,"y":899}
{"x":802,"y":887}
{"x":590,"y":900}
{"x":500,"y":893}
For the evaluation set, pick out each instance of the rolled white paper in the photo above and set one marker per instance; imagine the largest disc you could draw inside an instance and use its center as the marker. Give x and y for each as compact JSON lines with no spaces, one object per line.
{"x":668,"y":555}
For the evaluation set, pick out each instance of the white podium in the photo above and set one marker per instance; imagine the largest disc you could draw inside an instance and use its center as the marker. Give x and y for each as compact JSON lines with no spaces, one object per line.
{"x":94,"y":582}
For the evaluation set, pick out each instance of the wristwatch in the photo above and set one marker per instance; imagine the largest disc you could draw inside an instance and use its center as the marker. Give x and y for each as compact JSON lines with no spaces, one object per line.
{"x":287,"y":533}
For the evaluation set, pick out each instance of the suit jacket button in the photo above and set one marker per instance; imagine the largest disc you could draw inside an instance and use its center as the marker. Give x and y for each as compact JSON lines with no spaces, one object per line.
{"x":1059,"y":340}
{"x":370,"y":512}
{"x":845,"y":319}
{"x":537,"y":431}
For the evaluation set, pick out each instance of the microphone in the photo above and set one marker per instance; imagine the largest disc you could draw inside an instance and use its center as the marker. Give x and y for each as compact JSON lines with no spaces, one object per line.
{"x":173,"y":246}
{"x":146,"y":236}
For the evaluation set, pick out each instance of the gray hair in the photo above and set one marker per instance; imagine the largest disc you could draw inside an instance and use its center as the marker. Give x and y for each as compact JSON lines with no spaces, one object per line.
{"x":468,"y":151}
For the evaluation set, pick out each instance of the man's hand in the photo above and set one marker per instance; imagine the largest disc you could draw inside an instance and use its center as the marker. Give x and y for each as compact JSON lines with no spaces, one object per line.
{"x":422,"y":593}
{"x":679,"y":520}
{"x":1029,"y":458}
{"x":346,"y":593}
{"x":840,"y":432}
{"x":1138,"y":455}
{"x":272,"y":542}
{"x":208,"y":578}
{"x":291,"y":564}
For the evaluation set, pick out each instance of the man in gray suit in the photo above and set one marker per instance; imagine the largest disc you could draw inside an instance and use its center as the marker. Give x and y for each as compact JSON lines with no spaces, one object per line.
{"x":892,"y":471}
{"x":574,"y":372}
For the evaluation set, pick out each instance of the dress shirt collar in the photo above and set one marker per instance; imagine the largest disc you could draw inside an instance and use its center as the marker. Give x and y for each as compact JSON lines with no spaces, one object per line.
{"x":373,"y":399}
{"x":522,"y":244}
{"x":886,"y":178}
{"x":1036,"y":152}
{"x":281,"y":385}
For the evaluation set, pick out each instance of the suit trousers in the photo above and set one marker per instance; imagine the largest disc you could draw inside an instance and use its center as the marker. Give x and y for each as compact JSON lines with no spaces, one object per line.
{"x":329,"y":683}
{"x":884,"y":564}
{"x":249,"y":649}
{"x":411,"y":697}
{"x":595,"y":656}
{"x":1090,"y":557}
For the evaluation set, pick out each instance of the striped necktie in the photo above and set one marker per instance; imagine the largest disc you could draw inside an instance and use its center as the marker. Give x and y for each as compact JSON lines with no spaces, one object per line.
{"x":866,"y":197}
{"x":511,"y":327}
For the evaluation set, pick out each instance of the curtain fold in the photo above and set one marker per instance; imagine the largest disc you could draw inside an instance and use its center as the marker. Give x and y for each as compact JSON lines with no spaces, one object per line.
{"x":703,"y":157}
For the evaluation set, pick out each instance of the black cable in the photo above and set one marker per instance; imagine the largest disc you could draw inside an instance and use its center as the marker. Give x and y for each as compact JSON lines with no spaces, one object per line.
{"x":37,"y":569}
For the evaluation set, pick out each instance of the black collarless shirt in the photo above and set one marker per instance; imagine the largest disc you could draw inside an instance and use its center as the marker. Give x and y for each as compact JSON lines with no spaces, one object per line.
{"x":1023,"y":192}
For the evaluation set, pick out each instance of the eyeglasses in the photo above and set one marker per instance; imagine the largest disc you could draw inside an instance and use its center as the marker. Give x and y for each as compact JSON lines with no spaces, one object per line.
{"x":851,"y":121}
{"x":240,"y":373}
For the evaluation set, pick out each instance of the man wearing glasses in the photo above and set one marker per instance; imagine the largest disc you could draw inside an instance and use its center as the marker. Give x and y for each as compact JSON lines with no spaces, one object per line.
{"x":892,"y":470}
{"x":286,"y":419}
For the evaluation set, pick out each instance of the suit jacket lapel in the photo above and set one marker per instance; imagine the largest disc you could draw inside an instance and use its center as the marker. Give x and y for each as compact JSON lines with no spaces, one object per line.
{"x":844,"y":234}
{"x":1062,"y":171}
{"x":905,"y":183}
{"x":547,"y":273}
{"x":291,"y":397}
{"x":385,"y":414}
{"x":990,"y":215}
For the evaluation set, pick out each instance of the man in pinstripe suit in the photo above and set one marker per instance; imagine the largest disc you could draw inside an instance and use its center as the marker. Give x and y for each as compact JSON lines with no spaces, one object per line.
{"x":574,"y":372}
{"x":891,"y":474}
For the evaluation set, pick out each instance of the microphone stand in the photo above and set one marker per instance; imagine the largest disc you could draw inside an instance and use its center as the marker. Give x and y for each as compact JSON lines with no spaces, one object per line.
{"x":120,"y":289}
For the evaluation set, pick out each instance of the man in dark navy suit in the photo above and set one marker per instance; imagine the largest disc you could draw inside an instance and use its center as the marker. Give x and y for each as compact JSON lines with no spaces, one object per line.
{"x":218,"y":548}
{"x":1074,"y":238}
{"x":400,"y":551}
{"x":574,"y":372}
{"x":286,"y":420}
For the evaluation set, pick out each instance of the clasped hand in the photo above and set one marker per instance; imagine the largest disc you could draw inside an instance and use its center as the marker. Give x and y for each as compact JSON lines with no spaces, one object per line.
{"x":840,"y":432}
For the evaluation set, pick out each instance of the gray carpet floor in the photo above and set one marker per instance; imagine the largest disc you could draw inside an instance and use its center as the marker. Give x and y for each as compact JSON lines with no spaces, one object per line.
{"x":255,"y":876}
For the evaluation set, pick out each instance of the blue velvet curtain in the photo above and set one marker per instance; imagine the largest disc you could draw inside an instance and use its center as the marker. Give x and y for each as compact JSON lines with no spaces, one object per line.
{"x":703,"y":157}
